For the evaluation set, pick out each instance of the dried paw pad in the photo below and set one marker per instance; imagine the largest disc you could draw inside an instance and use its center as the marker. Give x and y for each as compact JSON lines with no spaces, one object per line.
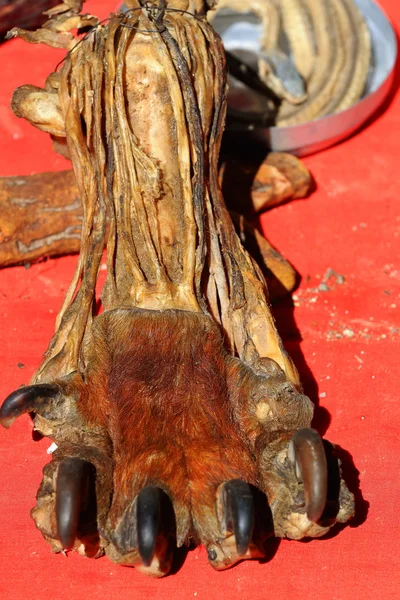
{"x":177,"y":413}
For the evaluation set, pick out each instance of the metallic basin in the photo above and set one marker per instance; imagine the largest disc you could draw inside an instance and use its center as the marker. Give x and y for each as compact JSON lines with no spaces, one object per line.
{"x":243,"y":32}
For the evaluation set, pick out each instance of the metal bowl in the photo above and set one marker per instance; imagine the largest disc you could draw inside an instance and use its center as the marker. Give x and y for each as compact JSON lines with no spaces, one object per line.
{"x":243,"y":32}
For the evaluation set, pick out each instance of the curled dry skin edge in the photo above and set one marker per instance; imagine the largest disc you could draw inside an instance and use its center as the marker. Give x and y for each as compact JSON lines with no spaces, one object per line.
{"x":177,"y":413}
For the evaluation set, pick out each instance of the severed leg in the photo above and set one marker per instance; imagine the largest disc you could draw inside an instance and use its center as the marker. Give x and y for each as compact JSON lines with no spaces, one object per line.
{"x":177,"y":413}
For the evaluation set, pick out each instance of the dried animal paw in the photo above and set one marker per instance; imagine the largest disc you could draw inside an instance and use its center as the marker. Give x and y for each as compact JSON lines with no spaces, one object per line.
{"x":177,"y":413}
{"x":167,"y":438}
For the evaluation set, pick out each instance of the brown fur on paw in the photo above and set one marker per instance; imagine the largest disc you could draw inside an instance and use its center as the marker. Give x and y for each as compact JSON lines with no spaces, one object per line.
{"x":164,"y":429}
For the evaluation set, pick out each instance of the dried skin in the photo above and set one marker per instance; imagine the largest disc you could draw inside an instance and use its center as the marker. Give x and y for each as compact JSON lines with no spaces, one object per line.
{"x":281,"y":177}
{"x":182,"y":385}
{"x":328,"y":42}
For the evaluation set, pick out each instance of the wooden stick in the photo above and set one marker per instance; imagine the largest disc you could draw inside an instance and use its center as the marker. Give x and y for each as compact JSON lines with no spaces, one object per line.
{"x":252,"y":187}
{"x":40,"y":216}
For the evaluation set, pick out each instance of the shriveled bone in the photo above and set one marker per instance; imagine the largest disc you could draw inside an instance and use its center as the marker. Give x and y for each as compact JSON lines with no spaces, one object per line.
{"x":175,"y":411}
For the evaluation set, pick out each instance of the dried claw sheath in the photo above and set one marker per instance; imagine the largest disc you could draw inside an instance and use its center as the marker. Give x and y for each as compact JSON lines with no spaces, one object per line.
{"x":27,"y":399}
{"x":238,"y":512}
{"x":71,"y":480}
{"x":148,"y":522}
{"x":309,"y":455}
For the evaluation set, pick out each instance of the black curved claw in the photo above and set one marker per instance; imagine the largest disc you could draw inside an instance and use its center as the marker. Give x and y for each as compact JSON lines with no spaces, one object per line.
{"x":148,"y":521}
{"x":238,"y":511}
{"x":309,"y":454}
{"x":72,"y":481}
{"x":25,"y":399}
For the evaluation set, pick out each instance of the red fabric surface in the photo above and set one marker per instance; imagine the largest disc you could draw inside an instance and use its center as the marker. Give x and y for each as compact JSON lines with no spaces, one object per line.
{"x":345,"y":341}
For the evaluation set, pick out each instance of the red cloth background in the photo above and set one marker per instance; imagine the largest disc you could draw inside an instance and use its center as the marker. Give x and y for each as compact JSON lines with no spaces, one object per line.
{"x":345,"y":341}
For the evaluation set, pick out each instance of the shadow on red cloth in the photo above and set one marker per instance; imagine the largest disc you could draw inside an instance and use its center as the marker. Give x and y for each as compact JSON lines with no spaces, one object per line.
{"x":284,"y":315}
